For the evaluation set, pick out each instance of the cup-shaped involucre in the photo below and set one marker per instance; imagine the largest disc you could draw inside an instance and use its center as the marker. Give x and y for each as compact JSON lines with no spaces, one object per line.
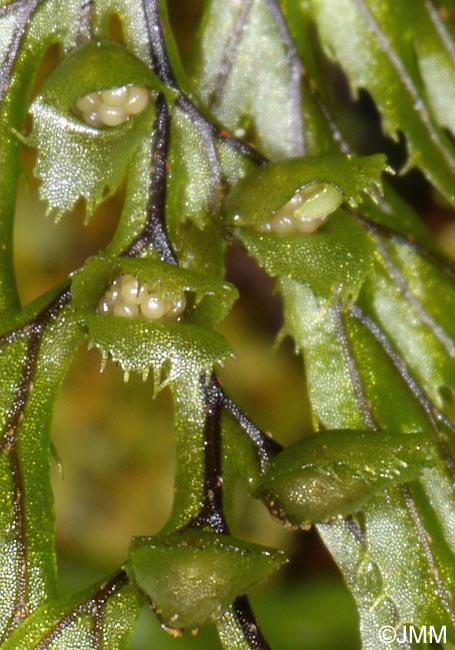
{"x":193,"y":576}
{"x":334,"y":473}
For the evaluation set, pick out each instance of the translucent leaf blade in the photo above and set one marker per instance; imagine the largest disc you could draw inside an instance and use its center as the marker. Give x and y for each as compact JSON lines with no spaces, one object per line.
{"x":102,"y":618}
{"x":26,"y":30}
{"x":377,"y":57}
{"x":33,"y":361}
{"x":97,"y":156}
{"x":256,"y":102}
{"x":362,"y":368}
{"x":171,"y":350}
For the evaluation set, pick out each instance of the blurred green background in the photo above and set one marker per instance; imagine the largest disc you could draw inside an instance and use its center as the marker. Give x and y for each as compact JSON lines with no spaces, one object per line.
{"x":113,"y":474}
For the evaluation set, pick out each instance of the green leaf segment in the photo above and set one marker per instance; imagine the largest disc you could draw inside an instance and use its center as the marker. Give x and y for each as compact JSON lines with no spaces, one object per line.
{"x":63,"y":140}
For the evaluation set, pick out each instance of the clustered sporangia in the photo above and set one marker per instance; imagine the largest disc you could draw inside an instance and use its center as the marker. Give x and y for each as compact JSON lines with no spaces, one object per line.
{"x":306,"y":211}
{"x":113,"y":106}
{"x":128,"y":298}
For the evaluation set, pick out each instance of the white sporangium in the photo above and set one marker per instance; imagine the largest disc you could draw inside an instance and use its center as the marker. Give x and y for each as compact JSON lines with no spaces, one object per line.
{"x":128,"y":298}
{"x":306,"y":210}
{"x":113,"y":106}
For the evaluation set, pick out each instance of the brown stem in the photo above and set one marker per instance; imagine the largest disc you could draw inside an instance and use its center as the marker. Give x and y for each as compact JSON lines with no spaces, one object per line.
{"x":211,"y":514}
{"x":154,"y":232}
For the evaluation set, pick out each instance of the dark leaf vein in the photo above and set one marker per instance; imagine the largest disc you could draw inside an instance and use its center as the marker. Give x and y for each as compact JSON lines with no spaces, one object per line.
{"x":434,"y":415}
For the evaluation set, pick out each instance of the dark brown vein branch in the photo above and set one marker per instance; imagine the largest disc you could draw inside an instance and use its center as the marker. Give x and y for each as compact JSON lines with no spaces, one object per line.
{"x":403,"y":287}
{"x":33,"y":330}
{"x":295,"y":65}
{"x":211,"y":513}
{"x":154,"y":233}
{"x":163,"y":68}
{"x":230,"y":49}
{"x":8,"y":444}
{"x":94,"y":607}
{"x":393,"y":236}
{"x":247,"y":621}
{"x":353,"y":369}
{"x":443,"y":593}
{"x":266,"y":447}
{"x":433,"y":414}
{"x":158,"y":51}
